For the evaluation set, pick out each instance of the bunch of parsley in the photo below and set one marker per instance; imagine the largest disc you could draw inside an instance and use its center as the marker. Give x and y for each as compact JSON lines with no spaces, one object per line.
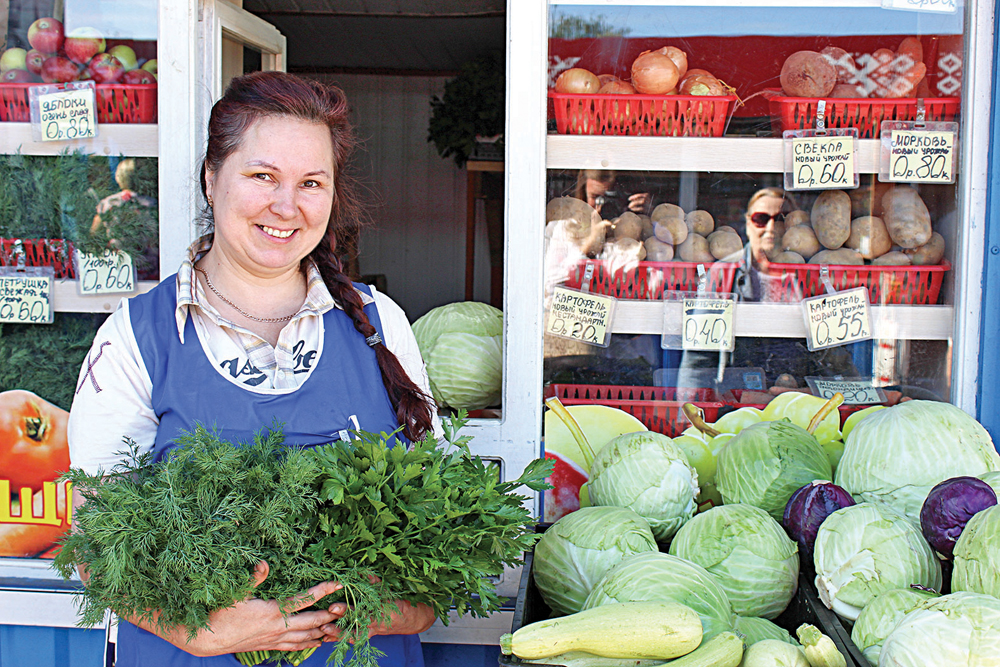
{"x":182,"y":536}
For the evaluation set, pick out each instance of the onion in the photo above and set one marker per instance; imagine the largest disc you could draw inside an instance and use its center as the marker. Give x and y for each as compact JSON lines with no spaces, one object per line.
{"x":605,"y":78}
{"x":949,"y":506}
{"x":701,"y":85}
{"x":577,"y":81}
{"x":695,"y":72}
{"x":617,"y":87}
{"x":679,"y":57}
{"x":654,"y":73}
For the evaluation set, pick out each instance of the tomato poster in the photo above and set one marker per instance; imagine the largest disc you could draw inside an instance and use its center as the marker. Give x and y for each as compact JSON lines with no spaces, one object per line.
{"x":35,"y":507}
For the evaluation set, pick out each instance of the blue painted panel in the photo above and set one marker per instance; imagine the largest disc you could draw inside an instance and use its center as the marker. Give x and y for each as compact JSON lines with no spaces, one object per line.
{"x":460,"y":655}
{"x":988,"y":408}
{"x":26,"y":646}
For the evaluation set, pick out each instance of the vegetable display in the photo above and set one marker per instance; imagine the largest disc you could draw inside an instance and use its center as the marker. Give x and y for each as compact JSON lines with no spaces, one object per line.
{"x":881,"y":615}
{"x":948,"y":508}
{"x":977,"y":554}
{"x":462,"y":345}
{"x":182,"y":536}
{"x":747,"y":552}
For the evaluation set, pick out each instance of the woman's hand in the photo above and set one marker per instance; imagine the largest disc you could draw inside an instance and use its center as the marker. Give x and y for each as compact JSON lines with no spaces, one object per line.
{"x":258,"y":625}
{"x":404,"y":619}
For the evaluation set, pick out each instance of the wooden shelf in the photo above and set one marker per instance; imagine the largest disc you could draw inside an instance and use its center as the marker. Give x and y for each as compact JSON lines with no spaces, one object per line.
{"x":710,"y":154}
{"x":66,"y":298}
{"x":785,"y":320}
{"x":130,"y":139}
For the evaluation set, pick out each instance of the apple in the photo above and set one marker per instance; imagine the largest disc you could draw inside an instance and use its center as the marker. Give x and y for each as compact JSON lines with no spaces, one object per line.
{"x":151,"y":67}
{"x":137,"y":76}
{"x":14,"y":58}
{"x":46,"y":35}
{"x":57,"y":69}
{"x":125,"y":55}
{"x":105,"y":68}
{"x":19,"y":76}
{"x":34,"y":61}
{"x":83,"y":44}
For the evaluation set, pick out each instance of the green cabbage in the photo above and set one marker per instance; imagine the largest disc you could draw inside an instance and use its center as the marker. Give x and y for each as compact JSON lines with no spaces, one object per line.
{"x":768,"y":462}
{"x":462,"y":345}
{"x":748,"y":553}
{"x":865,"y":549}
{"x":895,"y":456}
{"x":977,"y":554}
{"x":993,"y":479}
{"x":578,"y":549}
{"x":755,"y":629}
{"x":653,"y":576}
{"x":773,"y":653}
{"x":956,"y":629}
{"x":881,"y":615}
{"x":649,"y":474}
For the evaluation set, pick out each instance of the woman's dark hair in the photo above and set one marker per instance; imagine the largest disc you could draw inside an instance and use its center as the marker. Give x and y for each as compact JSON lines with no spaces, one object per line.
{"x":259,"y":95}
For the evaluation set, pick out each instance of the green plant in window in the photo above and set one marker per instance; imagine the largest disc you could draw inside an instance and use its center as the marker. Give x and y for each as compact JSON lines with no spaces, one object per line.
{"x":472,"y":105}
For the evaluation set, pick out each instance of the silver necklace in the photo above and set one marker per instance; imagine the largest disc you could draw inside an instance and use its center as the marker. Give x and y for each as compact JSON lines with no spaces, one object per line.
{"x":239,"y":310}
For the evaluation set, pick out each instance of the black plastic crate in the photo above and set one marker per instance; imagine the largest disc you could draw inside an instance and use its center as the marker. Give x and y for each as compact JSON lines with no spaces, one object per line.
{"x":805,"y":607}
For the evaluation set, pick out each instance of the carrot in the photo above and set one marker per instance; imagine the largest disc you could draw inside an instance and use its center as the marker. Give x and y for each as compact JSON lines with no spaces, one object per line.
{"x":904,"y":84}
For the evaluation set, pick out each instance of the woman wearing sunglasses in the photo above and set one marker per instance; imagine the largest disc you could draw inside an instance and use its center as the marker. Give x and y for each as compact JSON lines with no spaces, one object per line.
{"x":765,"y":225}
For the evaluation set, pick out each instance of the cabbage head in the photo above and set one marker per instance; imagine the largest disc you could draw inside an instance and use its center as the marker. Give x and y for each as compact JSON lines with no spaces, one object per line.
{"x":656,"y":576}
{"x":957,"y":629}
{"x":866,"y":549}
{"x":755,"y":629}
{"x":747,"y":552}
{"x":462,"y":345}
{"x":768,"y":462}
{"x":578,"y":549}
{"x":993,"y":479}
{"x":895,"y":456}
{"x":977,"y":554}
{"x":881,"y":615}
{"x":773,"y":653}
{"x":647,"y":473}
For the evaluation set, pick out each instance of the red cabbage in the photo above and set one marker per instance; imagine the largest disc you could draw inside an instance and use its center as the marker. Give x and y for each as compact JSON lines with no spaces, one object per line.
{"x":949,"y":506}
{"x":808,"y":508}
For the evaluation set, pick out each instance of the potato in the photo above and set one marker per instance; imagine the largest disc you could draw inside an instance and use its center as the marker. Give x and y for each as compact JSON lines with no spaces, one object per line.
{"x":840,"y":257}
{"x":831,"y":218}
{"x":700,"y":222}
{"x":723,"y":244}
{"x":579,"y":213}
{"x":906,"y":217}
{"x":695,"y":249}
{"x":671,"y":230}
{"x":807,"y":74}
{"x":657,"y":250}
{"x":787,"y":381}
{"x":801,"y":240}
{"x":665,"y":212}
{"x":843,"y":62}
{"x":788,"y":257}
{"x":627,"y":249}
{"x":627,"y":225}
{"x":928,"y":254}
{"x":727,"y":229}
{"x":894,"y":258}
{"x":647,"y":226}
{"x":869,"y":237}
{"x":795,"y":218}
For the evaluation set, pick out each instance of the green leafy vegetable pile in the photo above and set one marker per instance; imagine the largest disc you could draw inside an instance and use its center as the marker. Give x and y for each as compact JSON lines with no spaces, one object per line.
{"x":183,"y":535}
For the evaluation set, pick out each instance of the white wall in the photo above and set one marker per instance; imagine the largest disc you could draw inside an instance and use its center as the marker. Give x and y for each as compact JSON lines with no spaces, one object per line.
{"x":418,"y":240}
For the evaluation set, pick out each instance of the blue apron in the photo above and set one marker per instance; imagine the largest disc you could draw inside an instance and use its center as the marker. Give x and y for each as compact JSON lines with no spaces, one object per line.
{"x":344,"y":389}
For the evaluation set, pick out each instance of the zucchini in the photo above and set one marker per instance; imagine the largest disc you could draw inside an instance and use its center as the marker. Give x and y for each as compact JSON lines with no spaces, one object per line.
{"x":819,"y":649}
{"x":618,"y":630}
{"x":723,"y":650}
{"x":583,"y":659}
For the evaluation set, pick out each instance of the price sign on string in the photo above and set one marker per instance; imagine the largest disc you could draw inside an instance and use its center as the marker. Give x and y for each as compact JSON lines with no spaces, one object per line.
{"x":581,"y":316}
{"x":707,"y":324}
{"x":820,"y":161}
{"x":61,"y":112}
{"x":838,"y":318}
{"x":25,"y":295}
{"x":109,"y":273}
{"x":915,"y":152}
{"x":856,"y":391}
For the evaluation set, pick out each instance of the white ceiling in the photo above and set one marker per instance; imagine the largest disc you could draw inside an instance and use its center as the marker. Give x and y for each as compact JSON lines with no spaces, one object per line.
{"x":385,"y":35}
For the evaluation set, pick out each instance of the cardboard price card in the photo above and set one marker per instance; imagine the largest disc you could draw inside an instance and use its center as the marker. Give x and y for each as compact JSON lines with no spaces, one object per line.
{"x":918,"y":152}
{"x":707,"y":324}
{"x":109,"y":273}
{"x":856,"y":391}
{"x":61,"y":112}
{"x":25,"y":296}
{"x":581,"y":316}
{"x":824,"y":161}
{"x":837,"y":319}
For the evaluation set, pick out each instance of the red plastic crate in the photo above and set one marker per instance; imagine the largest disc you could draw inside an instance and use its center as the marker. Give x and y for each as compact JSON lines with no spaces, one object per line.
{"x":116,"y":102}
{"x":799,"y":113}
{"x":57,"y":253}
{"x":642,"y":115}
{"x":656,"y":407}
{"x":649,"y":280}
{"x":910,"y":285}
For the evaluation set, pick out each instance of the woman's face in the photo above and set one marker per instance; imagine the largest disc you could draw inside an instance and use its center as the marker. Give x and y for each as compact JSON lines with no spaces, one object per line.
{"x":272,"y":197}
{"x":764,"y":240}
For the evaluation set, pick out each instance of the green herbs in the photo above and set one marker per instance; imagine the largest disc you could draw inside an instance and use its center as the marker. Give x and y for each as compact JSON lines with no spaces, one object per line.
{"x":172,"y":541}
{"x":473,"y":104}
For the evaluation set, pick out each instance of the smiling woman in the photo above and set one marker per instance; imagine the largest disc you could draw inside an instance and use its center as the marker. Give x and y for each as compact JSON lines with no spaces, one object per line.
{"x":260,"y":325}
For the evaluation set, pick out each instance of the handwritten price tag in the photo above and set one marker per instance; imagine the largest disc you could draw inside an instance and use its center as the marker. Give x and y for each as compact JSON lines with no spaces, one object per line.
{"x":856,"y":391}
{"x":838,"y":318}
{"x":67,"y":114}
{"x":942,"y":6}
{"x":109,"y":273}
{"x":707,"y":324}
{"x":581,"y":316}
{"x":921,"y":157}
{"x":821,"y":163}
{"x":25,"y":300}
